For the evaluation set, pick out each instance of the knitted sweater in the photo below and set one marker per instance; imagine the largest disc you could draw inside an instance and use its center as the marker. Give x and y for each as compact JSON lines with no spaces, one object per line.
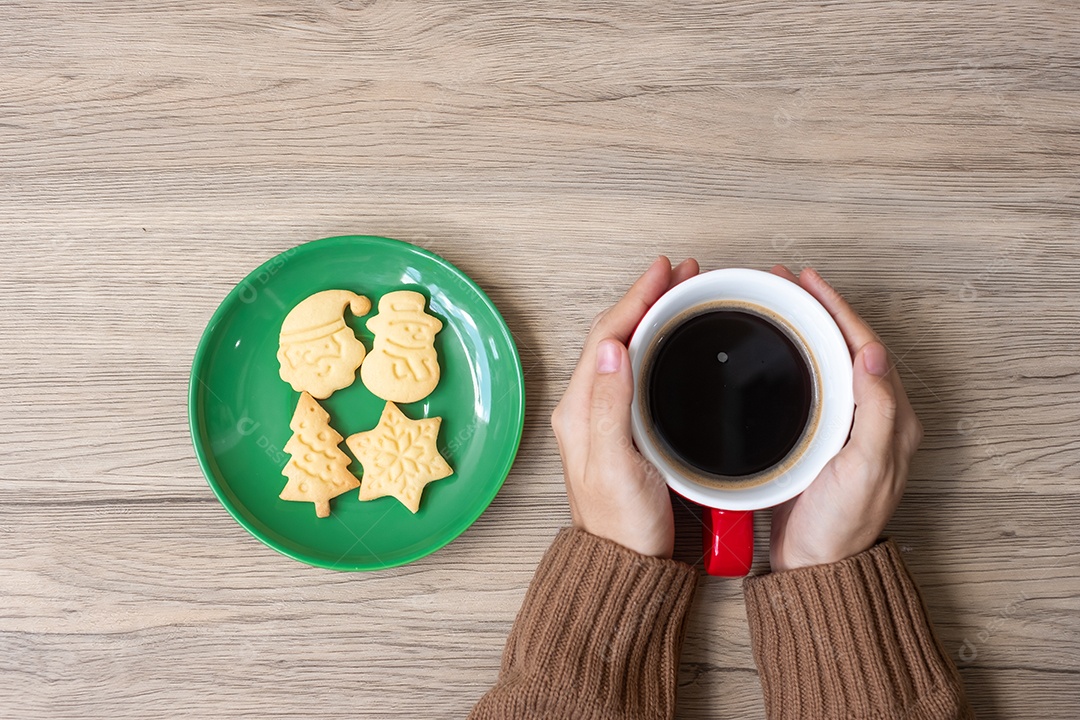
{"x":601,"y":628}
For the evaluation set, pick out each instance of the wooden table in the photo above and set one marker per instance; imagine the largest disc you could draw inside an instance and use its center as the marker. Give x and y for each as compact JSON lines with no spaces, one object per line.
{"x":923,"y":156}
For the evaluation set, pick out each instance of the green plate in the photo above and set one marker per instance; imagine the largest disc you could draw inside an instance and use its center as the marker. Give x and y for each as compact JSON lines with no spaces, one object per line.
{"x":239,"y":408}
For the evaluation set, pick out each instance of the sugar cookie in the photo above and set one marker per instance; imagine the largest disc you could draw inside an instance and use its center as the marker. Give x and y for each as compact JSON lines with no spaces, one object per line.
{"x":399,"y":457}
{"x":317,"y":470}
{"x":403,"y":366}
{"x":317,"y":351}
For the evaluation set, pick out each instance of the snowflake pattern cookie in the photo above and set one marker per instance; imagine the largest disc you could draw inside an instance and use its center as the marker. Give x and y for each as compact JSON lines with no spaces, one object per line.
{"x":399,"y":457}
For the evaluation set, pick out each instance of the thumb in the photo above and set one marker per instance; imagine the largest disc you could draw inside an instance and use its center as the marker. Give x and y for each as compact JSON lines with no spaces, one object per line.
{"x":612,"y":393}
{"x":875,"y":402}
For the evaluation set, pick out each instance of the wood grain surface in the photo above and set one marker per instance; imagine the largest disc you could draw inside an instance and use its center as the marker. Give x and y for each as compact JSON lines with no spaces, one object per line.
{"x":922,"y":155}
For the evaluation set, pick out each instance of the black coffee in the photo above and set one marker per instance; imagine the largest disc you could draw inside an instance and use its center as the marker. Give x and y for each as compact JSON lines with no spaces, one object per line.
{"x":729,"y":392}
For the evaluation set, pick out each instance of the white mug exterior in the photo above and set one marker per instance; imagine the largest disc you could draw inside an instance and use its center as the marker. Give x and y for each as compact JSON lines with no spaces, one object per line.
{"x":826,"y":344}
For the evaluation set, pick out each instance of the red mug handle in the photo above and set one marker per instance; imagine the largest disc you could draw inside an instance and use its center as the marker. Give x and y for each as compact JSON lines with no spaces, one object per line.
{"x":729,"y":541}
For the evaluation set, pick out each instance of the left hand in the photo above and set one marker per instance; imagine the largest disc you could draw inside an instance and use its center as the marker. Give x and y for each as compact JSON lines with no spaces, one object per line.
{"x":614,"y":492}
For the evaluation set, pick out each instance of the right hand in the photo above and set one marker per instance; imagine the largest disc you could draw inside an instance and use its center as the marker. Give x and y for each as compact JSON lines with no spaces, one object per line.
{"x":845,"y":509}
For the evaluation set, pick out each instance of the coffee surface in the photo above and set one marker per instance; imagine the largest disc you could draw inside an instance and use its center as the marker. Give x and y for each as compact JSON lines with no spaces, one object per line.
{"x":729,"y":392}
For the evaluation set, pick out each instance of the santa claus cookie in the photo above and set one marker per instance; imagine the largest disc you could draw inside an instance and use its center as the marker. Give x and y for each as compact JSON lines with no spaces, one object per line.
{"x":403,"y":366}
{"x":317,"y":351}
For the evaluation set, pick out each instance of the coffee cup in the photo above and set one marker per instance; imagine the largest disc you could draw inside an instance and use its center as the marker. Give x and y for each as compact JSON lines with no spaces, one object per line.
{"x":743,"y":393}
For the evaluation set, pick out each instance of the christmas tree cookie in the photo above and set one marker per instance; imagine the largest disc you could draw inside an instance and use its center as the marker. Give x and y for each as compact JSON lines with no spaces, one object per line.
{"x":317,"y":351}
{"x":399,"y":457}
{"x":318,"y":469}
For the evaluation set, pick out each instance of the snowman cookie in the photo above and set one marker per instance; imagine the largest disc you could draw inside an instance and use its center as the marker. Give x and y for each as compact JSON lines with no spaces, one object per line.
{"x":317,"y":351}
{"x":403,"y":366}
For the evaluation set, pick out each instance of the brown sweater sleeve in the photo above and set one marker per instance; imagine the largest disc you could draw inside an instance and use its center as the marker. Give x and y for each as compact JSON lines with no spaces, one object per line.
{"x":850,"y":640}
{"x":598,"y":636}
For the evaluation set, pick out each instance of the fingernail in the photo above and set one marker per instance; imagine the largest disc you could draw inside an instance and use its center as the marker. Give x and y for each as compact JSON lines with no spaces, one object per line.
{"x":607,"y":357}
{"x":875,"y":359}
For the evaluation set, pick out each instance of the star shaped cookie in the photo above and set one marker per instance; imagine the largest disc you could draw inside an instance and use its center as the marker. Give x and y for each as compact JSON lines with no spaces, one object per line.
{"x":399,"y":457}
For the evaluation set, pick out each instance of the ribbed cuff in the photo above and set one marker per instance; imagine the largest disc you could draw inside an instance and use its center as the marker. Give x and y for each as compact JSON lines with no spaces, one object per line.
{"x":850,"y":639}
{"x":598,"y":635}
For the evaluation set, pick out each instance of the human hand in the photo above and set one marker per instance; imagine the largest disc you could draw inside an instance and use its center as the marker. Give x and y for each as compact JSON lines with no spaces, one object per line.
{"x":614,"y":492}
{"x":845,"y":509}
